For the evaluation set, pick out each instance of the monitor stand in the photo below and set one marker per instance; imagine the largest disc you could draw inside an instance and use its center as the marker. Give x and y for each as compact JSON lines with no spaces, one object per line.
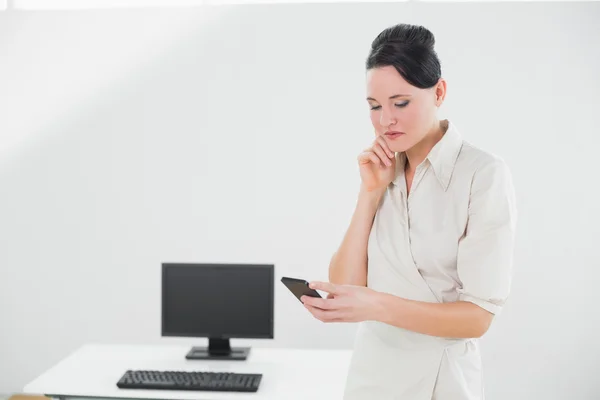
{"x":218,"y":349}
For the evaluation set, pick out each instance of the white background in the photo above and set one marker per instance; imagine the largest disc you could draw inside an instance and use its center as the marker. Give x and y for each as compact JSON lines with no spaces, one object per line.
{"x":133,"y":137}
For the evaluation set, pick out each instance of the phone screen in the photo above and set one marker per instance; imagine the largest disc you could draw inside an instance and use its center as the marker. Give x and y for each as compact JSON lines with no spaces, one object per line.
{"x":299,"y":287}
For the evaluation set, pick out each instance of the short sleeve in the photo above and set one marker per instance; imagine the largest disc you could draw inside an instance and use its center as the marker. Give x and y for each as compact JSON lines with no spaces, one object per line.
{"x":485,"y":252}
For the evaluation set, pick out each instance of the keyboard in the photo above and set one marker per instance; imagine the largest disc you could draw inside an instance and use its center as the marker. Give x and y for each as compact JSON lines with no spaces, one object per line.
{"x":187,"y":380}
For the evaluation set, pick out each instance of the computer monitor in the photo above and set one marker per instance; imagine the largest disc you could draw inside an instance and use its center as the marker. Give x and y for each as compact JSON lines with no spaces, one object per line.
{"x":219,"y":302}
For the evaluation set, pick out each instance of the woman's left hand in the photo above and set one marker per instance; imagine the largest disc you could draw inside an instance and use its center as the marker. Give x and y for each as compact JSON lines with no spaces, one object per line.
{"x":344,"y":303}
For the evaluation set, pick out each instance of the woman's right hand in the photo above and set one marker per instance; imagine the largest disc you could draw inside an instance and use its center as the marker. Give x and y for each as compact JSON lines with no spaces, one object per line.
{"x":377,"y":165}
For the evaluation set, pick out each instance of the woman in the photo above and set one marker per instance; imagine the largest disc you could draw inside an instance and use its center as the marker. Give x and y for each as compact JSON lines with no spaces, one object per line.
{"x":426,"y":261}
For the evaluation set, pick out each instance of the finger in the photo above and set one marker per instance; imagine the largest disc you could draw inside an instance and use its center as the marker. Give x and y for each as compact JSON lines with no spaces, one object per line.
{"x":385,"y":146}
{"x":326,"y":287}
{"x":378,"y":149}
{"x":369,"y":156}
{"x":322,"y":315}
{"x":323,"y":304}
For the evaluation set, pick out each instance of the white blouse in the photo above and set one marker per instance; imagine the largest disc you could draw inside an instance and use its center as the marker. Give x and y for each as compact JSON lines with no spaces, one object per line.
{"x":451,"y":239}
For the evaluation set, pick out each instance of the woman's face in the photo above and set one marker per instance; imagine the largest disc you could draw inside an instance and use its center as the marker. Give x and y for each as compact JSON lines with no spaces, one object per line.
{"x":397,"y":106}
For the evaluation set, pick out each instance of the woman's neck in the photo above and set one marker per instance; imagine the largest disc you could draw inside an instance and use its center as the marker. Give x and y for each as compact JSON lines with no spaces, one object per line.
{"x":416,"y":154}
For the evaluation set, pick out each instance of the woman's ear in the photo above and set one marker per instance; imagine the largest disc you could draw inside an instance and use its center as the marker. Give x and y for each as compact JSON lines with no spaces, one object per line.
{"x":440,"y":92}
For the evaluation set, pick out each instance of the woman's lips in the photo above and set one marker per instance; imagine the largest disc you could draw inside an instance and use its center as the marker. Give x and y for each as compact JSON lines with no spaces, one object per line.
{"x":394,"y":134}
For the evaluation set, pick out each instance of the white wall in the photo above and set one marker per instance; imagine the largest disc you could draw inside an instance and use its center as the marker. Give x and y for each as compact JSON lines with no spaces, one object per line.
{"x":133,"y":137}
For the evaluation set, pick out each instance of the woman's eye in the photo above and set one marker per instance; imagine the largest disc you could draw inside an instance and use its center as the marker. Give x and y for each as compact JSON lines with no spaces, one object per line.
{"x":399,"y":105}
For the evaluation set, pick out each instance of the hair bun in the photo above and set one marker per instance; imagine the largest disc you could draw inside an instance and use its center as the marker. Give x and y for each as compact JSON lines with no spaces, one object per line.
{"x":413,"y":35}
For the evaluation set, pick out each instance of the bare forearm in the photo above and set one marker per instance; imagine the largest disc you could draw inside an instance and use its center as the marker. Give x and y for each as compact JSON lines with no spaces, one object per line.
{"x":452,"y":320}
{"x":349,"y":263}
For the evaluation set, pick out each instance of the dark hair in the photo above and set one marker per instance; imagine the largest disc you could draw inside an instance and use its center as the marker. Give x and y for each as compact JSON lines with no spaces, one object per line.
{"x":409,"y":49}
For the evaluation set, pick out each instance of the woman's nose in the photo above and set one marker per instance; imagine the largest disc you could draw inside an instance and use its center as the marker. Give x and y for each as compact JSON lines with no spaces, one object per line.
{"x":386,"y":118}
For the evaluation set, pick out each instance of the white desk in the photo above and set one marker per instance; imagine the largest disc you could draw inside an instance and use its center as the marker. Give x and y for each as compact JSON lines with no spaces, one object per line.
{"x":93,"y":371}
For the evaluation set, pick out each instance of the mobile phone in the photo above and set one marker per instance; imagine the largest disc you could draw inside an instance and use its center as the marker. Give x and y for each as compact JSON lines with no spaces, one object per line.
{"x":299,"y":287}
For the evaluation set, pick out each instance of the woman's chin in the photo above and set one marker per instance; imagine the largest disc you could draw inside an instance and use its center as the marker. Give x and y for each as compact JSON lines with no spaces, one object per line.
{"x":399,"y":148}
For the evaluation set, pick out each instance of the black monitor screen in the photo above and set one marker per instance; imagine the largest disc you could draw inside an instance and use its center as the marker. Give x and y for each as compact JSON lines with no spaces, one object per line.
{"x":217,"y":300}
